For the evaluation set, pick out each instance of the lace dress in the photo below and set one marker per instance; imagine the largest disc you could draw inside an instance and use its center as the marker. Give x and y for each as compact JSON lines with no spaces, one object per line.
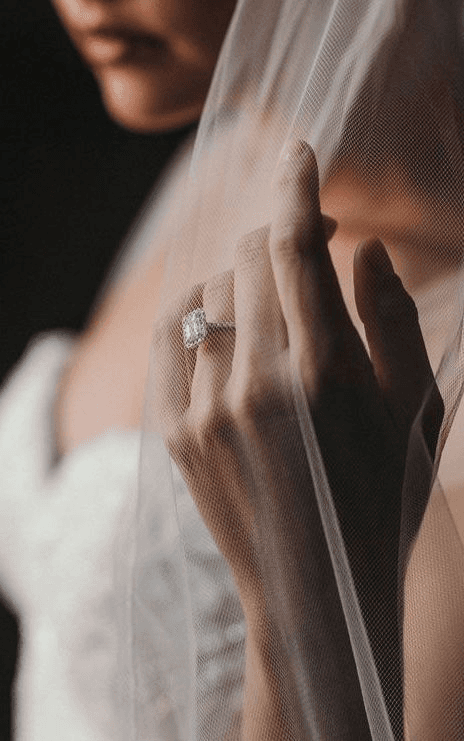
{"x":65,"y":565}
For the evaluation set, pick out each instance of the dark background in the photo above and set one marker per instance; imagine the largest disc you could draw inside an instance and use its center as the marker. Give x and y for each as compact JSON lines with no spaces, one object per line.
{"x":71,"y":182}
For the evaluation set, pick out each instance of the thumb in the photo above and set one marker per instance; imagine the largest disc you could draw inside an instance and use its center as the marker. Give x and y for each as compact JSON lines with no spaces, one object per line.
{"x":396,"y":345}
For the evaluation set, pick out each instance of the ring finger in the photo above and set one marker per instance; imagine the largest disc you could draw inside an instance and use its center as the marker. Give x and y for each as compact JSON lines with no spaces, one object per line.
{"x":214,"y":355}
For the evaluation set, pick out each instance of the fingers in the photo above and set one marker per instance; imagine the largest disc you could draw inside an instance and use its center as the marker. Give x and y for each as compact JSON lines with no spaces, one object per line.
{"x":330,"y":226}
{"x":214,"y":356}
{"x":396,"y":345}
{"x":252,"y":301}
{"x":261,"y":331}
{"x":307,"y":285}
{"x":218,"y":303}
{"x":175,"y":364}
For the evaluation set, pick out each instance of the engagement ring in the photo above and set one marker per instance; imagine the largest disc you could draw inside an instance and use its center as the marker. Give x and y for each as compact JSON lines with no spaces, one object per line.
{"x":195,"y":328}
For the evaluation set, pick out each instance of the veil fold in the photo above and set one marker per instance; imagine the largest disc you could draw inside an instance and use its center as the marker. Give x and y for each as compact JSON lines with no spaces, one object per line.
{"x":376,"y":88}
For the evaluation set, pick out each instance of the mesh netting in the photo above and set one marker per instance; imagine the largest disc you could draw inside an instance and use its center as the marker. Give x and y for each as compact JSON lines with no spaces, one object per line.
{"x":299,"y":571}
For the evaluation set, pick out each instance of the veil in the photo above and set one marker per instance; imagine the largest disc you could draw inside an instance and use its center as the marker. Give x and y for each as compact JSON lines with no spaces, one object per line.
{"x":364,"y":638}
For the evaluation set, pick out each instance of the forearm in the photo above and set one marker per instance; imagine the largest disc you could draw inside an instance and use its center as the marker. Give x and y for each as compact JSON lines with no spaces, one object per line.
{"x":299,"y":661}
{"x":269,"y":713}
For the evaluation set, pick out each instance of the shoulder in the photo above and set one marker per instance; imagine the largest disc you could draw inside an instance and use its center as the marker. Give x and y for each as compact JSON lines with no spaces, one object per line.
{"x":44,"y":358}
{"x":28,"y":393}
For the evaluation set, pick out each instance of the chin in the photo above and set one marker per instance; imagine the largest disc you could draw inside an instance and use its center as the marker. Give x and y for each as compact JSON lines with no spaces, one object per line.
{"x":134,"y":103}
{"x":153,"y":122}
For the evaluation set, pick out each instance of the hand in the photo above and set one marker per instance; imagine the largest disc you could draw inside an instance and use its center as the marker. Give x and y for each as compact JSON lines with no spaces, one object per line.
{"x":240,"y":411}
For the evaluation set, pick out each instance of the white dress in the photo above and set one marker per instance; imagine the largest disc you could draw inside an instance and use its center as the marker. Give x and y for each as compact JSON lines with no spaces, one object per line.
{"x":67,"y":548}
{"x":59,"y":520}
{"x":65,"y":561}
{"x":63,"y":524}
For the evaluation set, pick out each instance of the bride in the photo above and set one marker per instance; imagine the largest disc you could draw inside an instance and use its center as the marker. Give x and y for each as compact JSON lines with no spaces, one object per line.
{"x":285,"y":564}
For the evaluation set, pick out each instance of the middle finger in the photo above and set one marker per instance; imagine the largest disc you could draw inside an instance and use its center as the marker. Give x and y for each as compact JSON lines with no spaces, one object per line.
{"x":261,"y":331}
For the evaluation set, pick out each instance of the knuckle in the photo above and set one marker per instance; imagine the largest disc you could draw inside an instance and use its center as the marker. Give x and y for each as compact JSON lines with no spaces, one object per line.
{"x":316,"y":378}
{"x":211,"y":426}
{"x":218,"y":284}
{"x":286,"y":243}
{"x":218,"y":296}
{"x":252,"y":245}
{"x":339,"y":367}
{"x":177,"y":439}
{"x":240,"y":404}
{"x":295,"y":230}
{"x":251,"y":404}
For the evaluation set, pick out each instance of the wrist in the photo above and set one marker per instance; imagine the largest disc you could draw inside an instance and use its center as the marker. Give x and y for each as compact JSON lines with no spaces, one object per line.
{"x":269,"y":712}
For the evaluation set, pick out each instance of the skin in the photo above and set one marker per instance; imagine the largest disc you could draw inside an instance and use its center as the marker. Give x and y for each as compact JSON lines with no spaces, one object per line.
{"x":153,"y":59}
{"x":284,"y":287}
{"x":158,"y":82}
{"x":161,"y":83}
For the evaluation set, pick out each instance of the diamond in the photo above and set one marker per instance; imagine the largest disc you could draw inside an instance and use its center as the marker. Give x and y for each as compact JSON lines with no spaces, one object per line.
{"x":194,"y":328}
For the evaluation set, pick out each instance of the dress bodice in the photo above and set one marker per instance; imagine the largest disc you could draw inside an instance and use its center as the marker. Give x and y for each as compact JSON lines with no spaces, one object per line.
{"x":66,"y":558}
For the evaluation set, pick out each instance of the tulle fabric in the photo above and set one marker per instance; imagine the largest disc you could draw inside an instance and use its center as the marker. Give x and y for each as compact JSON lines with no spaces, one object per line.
{"x":376,"y":88}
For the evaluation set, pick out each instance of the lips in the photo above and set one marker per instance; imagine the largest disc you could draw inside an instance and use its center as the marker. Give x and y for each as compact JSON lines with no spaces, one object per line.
{"x":102,"y":50}
{"x":109,"y":47}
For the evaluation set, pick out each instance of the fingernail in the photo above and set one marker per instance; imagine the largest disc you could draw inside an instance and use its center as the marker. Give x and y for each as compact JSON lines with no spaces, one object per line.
{"x":377,"y":257}
{"x":296,"y":150}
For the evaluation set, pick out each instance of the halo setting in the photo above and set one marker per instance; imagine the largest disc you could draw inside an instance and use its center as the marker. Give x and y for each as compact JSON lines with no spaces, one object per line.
{"x":194,"y":328}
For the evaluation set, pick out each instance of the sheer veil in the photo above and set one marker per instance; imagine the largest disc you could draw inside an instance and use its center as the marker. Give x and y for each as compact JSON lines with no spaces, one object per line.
{"x":376,"y":88}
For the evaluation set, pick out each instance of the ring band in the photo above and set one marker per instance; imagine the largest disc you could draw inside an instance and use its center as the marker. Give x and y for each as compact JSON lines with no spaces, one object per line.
{"x":195,"y":328}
